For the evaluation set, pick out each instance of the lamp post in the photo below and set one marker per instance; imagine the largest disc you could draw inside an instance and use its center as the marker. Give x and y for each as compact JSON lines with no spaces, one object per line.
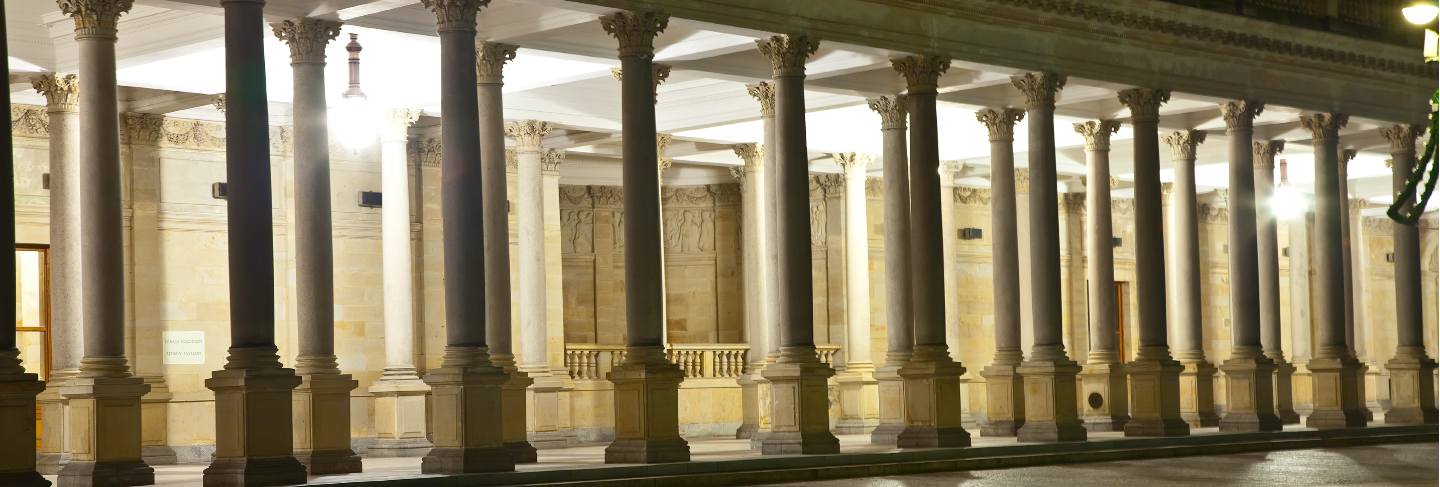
{"x":1287,"y":203}
{"x":354,"y":123}
{"x":1421,"y":12}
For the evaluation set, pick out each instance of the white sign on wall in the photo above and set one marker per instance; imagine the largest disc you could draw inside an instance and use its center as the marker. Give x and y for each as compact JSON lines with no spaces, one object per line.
{"x":184,"y":347}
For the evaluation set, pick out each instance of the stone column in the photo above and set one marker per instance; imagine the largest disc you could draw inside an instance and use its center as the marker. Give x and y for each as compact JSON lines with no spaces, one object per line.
{"x":17,"y":387}
{"x":489,"y":65}
{"x":550,"y":417}
{"x":251,"y":446}
{"x":949,"y":170}
{"x":1103,"y":379}
{"x":1197,"y":380}
{"x":1412,"y":379}
{"x":800,"y":420}
{"x":899,"y":322}
{"x":1154,"y":376}
{"x":1268,"y":256}
{"x":1248,"y":372}
{"x":933,"y":413}
{"x":1354,"y":313}
{"x":858,"y":394}
{"x":399,"y":393}
{"x":764,"y":93}
{"x":755,"y":274}
{"x":103,"y":412}
{"x":646,"y":384}
{"x":1050,"y":403}
{"x":1004,"y":387}
{"x":466,"y":411}
{"x":322,"y":402}
{"x":66,"y":337}
{"x":1333,"y":370}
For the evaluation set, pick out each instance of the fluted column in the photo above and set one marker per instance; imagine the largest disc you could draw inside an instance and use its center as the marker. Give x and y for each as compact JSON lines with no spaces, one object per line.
{"x":1004,"y":387}
{"x":858,"y":395}
{"x":800,"y":421}
{"x":399,"y":393}
{"x":1354,"y":281}
{"x":466,"y":391}
{"x":1103,"y":381}
{"x":322,"y":402}
{"x":103,"y":415}
{"x":251,"y":447}
{"x":899,"y":322}
{"x":67,"y":340}
{"x":1050,"y":414}
{"x":1412,"y":371}
{"x":17,"y":387}
{"x":647,"y":384}
{"x":1333,"y":370}
{"x":1268,"y":258}
{"x":1155,"y":382}
{"x":1197,"y":380}
{"x":764,"y":93}
{"x":755,"y":262}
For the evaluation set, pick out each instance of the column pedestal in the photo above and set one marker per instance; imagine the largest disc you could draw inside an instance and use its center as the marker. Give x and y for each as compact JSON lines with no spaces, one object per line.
{"x":1336,"y":403}
{"x":1050,"y":408}
{"x":52,"y":454}
{"x":1412,"y":388}
{"x":1104,"y":392}
{"x":933,"y":415}
{"x":891,"y":390}
{"x":154,"y":424}
{"x":859,"y":397}
{"x":647,"y":403}
{"x":17,"y":418}
{"x":513,"y":418}
{"x":1285,"y":392}
{"x":1005,"y":399}
{"x":321,"y":408}
{"x":548,"y":401}
{"x":399,"y":432}
{"x":1197,"y":394}
{"x":251,"y":447}
{"x":750,"y":402}
{"x":107,"y":452}
{"x":799,"y":418}
{"x":466,"y":414}
{"x":1155,"y":381}
{"x":1251,"y":407}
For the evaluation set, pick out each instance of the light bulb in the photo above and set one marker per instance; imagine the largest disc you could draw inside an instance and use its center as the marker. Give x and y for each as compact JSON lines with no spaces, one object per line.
{"x":1420,"y":13}
{"x":1287,"y":203}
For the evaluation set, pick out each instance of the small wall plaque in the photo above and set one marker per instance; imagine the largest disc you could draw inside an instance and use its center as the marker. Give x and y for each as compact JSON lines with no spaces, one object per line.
{"x":970,"y":234}
{"x":219,"y":190}
{"x":370,"y":199}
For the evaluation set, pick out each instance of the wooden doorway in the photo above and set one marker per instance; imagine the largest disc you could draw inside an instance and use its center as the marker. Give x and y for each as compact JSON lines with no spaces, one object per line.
{"x":32,"y":313}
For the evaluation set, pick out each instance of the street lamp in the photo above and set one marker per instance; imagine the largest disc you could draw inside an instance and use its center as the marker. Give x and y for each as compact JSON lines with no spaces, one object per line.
{"x":352,"y":117}
{"x":1287,"y":203}
{"x":1422,"y":12}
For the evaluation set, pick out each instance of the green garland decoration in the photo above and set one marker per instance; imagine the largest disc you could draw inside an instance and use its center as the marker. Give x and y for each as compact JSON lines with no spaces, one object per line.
{"x":1397,"y":210}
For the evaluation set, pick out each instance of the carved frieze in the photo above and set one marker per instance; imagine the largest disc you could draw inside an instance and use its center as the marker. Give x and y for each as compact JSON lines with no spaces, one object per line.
{"x":430,"y":150}
{"x":969,"y":196}
{"x":727,"y":194}
{"x":817,"y":224}
{"x":689,"y":230}
{"x":672,"y":196}
{"x":1122,"y":206}
{"x":608,"y":196}
{"x":577,"y":230}
{"x":29,"y":121}
{"x":829,"y":184}
{"x":575,"y":196}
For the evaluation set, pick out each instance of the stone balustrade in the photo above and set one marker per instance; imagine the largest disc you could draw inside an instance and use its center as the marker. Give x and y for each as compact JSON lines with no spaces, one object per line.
{"x":589,"y":361}
{"x":827,"y":353}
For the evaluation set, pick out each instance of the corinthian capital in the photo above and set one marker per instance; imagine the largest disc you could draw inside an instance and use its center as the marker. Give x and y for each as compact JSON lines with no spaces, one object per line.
{"x":1097,"y":133}
{"x":1346,"y":156}
{"x":1144,"y":103}
{"x":851,"y":161}
{"x":550,"y":160}
{"x":455,"y":14}
{"x":61,"y":92}
{"x":1039,"y":88}
{"x":1402,"y":137}
{"x":307,"y":38}
{"x":1001,"y":122}
{"x":1265,"y":152}
{"x":787,"y":53}
{"x":636,"y":31}
{"x":527,"y":133}
{"x":1184,"y":142}
{"x":922,"y":73}
{"x":1324,"y":126}
{"x":397,"y":123}
{"x":1240,"y":114}
{"x":751,"y":155}
{"x":95,"y":18}
{"x":763,"y":92}
{"x":490,"y":60}
{"x":891,"y":110}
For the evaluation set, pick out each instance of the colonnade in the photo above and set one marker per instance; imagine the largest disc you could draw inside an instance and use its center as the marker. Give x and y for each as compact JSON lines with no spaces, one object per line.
{"x":478,"y":394}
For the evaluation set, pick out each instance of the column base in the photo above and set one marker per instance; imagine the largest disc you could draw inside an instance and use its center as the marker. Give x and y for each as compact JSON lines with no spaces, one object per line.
{"x":321,"y":409}
{"x":1333,"y":385}
{"x":1050,"y":400}
{"x":1361,"y":398}
{"x":1377,"y":386}
{"x":466,"y":413}
{"x":859,"y":400}
{"x":1197,"y":393}
{"x":750,"y":401}
{"x":1005,"y":400}
{"x":154,"y":423}
{"x":1106,"y":400}
{"x":548,"y":400}
{"x":1285,"y":391}
{"x":104,"y":422}
{"x":158,"y":455}
{"x":1412,"y":388}
{"x":933,"y":415}
{"x":891,"y":390}
{"x":514,"y":418}
{"x":1248,"y":387}
{"x":400,"y":416}
{"x":52,"y":453}
{"x":799,"y":418}
{"x":647,"y":409}
{"x":1155,"y":381}
{"x":251,"y":447}
{"x":17,"y":418}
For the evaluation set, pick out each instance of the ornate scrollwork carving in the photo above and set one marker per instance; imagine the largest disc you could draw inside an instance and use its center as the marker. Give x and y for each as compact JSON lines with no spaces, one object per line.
{"x":922,"y":73}
{"x":29,"y":121}
{"x":1402,"y":137}
{"x":891,"y":110}
{"x":969,"y":196}
{"x":635,"y":31}
{"x":455,"y":14}
{"x":95,"y":18}
{"x":527,"y":133}
{"x":1001,"y":122}
{"x":763,"y":92}
{"x":1040,"y":88}
{"x":787,"y":53}
{"x":62,"y":93}
{"x":306,"y":37}
{"x":1324,"y":126}
{"x":1240,"y":114}
{"x":1144,"y":103}
{"x":1097,"y":133}
{"x":1184,"y":142}
{"x":490,"y":59}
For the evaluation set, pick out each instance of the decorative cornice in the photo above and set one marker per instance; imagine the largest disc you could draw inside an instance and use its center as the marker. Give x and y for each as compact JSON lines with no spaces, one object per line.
{"x":397,"y":123}
{"x":490,"y":59}
{"x":142,"y":128}
{"x":527,"y":133}
{"x":635,"y":31}
{"x":1040,"y":88}
{"x":1265,"y":151}
{"x":970,"y":196}
{"x":307,"y":38}
{"x":550,"y":160}
{"x":1183,"y":143}
{"x":455,"y":14}
{"x":1144,"y":103}
{"x":751,"y":156}
{"x":95,"y":18}
{"x":787,"y":53}
{"x":1324,"y":126}
{"x":763,"y":92}
{"x":922,"y":73}
{"x":1097,"y":133}
{"x":852,"y":161}
{"x":891,"y":110}
{"x":1402,"y":137}
{"x":29,"y":121}
{"x":62,"y":93}
{"x":1240,"y":114}
{"x":1001,"y":122}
